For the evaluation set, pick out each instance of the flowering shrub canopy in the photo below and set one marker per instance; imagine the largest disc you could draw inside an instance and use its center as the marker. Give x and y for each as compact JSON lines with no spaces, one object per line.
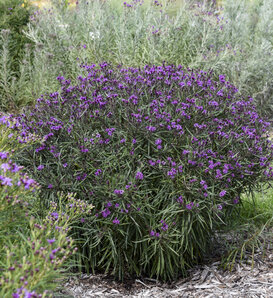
{"x":155,"y":150}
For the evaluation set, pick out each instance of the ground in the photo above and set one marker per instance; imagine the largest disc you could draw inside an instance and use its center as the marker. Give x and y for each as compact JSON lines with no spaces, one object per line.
{"x":247,"y":279}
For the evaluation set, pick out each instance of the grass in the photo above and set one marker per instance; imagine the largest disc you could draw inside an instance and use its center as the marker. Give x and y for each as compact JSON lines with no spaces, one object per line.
{"x":250,"y":229}
{"x":258,"y":208}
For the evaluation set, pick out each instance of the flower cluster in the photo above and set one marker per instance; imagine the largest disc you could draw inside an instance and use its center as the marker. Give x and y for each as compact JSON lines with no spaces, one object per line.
{"x":11,"y":123}
{"x":23,"y":292}
{"x":133,"y":4}
{"x":8,"y":179}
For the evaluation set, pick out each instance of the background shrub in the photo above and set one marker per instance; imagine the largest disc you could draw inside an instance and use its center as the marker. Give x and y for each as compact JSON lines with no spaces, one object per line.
{"x":163,"y":152}
{"x":14,"y":17}
{"x":235,"y":39}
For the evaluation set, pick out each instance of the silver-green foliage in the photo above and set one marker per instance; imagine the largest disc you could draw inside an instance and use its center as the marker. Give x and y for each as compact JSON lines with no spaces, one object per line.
{"x":235,"y":40}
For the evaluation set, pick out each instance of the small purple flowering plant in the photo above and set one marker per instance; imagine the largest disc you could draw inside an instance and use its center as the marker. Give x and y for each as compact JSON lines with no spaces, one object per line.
{"x":158,"y":142}
{"x":40,"y":257}
{"x":36,"y":249}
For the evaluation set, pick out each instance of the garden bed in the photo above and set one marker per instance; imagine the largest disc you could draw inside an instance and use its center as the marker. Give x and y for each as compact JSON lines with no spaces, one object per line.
{"x":205,"y":280}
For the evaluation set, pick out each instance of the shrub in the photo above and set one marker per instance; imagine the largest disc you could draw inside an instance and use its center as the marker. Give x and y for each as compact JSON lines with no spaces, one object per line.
{"x":164,"y":154}
{"x":235,"y":40}
{"x":249,"y":30}
{"x":14,"y":17}
{"x":33,"y":250}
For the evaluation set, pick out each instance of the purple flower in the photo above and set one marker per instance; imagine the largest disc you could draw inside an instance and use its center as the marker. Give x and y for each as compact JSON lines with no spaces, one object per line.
{"x":172,"y":173}
{"x":105,"y":212}
{"x":109,"y":204}
{"x":158,"y":141}
{"x":5,"y":167}
{"x":190,"y":205}
{"x":55,"y":215}
{"x":152,"y":233}
{"x":28,"y":183}
{"x":152,"y":163}
{"x":164,"y":225}
{"x":81,"y":177}
{"x":3,"y":155}
{"x":213,"y":103}
{"x":23,"y":292}
{"x":222,"y":193}
{"x":119,"y":191}
{"x":139,"y":176}
{"x":116,"y":221}
{"x":110,"y":131}
{"x":218,"y":174}
{"x":6,"y":181}
{"x":180,"y":200}
{"x":50,"y":186}
{"x":222,"y":78}
{"x":50,"y":241}
{"x":236,"y":201}
{"x":15,"y":168}
{"x":40,"y":167}
{"x":98,"y":172}
{"x":151,"y":128}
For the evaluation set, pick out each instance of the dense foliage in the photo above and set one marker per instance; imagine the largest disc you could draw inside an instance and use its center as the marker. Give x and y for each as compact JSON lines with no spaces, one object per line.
{"x":163,"y":153}
{"x":14,"y":17}
{"x":33,"y":250}
{"x":15,"y":50}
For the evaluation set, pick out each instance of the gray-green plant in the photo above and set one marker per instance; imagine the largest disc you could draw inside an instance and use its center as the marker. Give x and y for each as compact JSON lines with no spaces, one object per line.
{"x":235,"y":40}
